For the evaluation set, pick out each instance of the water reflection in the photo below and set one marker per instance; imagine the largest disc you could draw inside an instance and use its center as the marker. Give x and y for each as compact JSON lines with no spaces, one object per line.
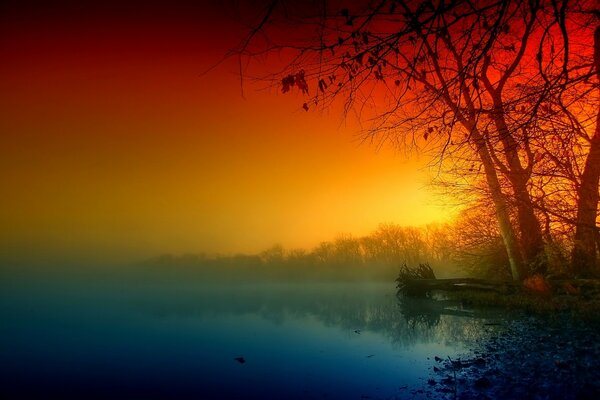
{"x":172,"y":341}
{"x":372,"y":307}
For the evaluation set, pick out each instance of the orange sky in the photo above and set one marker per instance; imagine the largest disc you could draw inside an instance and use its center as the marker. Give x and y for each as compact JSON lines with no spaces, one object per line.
{"x":112,"y":143}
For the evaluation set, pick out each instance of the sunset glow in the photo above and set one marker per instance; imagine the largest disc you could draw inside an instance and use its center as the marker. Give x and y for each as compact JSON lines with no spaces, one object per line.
{"x":292,"y":199}
{"x":113,"y":142}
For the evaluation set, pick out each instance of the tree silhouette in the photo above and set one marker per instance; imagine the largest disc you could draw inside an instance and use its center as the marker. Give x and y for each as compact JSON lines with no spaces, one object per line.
{"x":585,"y":247}
{"x":462,"y":79}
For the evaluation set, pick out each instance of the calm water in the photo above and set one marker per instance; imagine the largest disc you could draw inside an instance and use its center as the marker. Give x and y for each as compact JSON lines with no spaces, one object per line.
{"x":346,"y":341}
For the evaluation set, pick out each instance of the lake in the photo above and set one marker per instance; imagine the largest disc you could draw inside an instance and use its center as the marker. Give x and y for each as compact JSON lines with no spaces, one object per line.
{"x":105,"y":339}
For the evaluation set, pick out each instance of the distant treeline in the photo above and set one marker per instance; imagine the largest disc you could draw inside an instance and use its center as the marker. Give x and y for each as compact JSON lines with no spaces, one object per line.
{"x":470,"y":246}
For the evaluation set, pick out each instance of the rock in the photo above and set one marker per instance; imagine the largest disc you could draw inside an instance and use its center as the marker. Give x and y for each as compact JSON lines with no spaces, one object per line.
{"x":482,"y":383}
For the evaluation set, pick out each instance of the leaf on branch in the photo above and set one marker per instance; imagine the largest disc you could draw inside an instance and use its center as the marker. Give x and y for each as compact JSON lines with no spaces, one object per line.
{"x":322,"y":85}
{"x":287,"y":83}
{"x":301,"y":82}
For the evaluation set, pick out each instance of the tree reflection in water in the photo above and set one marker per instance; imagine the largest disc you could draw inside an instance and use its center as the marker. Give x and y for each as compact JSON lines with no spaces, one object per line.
{"x":347,"y":306}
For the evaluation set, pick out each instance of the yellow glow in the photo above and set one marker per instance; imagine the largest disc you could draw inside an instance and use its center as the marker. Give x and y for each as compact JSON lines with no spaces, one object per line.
{"x":137,"y":156}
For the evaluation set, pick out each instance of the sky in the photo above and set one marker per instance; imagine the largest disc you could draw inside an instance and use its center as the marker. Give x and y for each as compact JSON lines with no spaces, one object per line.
{"x":115,"y":143}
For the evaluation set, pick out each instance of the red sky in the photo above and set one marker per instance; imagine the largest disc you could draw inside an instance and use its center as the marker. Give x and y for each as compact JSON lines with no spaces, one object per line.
{"x":113,"y":142}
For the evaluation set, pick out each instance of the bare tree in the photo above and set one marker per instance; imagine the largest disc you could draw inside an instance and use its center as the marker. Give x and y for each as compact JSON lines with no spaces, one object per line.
{"x":584,"y":249}
{"x":456,"y":77}
{"x":564,"y":135}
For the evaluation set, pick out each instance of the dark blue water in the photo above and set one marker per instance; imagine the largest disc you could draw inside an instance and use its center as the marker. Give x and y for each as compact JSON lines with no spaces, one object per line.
{"x":180,"y":340}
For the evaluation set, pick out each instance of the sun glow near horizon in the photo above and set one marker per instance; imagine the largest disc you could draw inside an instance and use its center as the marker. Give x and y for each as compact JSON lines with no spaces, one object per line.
{"x":116,"y":144}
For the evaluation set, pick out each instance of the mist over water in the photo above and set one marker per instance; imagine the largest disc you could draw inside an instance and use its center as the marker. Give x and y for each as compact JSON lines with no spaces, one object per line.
{"x":102,"y":334}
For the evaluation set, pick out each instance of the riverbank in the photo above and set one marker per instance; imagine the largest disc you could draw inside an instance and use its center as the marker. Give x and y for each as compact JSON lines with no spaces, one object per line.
{"x":536,"y":294}
{"x":530,"y":357}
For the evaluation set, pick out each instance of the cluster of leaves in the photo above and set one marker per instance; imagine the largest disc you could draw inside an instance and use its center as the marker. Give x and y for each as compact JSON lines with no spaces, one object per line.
{"x":298,"y":79}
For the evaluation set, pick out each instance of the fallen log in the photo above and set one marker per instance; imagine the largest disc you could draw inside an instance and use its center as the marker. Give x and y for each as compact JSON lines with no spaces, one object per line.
{"x":421,"y":287}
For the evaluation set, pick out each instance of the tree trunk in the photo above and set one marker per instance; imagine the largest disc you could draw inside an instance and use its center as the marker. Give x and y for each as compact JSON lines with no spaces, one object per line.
{"x":501,"y":207}
{"x":583,"y":257}
{"x":531,"y":237}
{"x":530,"y":229}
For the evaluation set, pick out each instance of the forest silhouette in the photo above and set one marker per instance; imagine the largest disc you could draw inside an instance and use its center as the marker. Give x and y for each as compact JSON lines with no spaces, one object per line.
{"x":469,"y":246}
